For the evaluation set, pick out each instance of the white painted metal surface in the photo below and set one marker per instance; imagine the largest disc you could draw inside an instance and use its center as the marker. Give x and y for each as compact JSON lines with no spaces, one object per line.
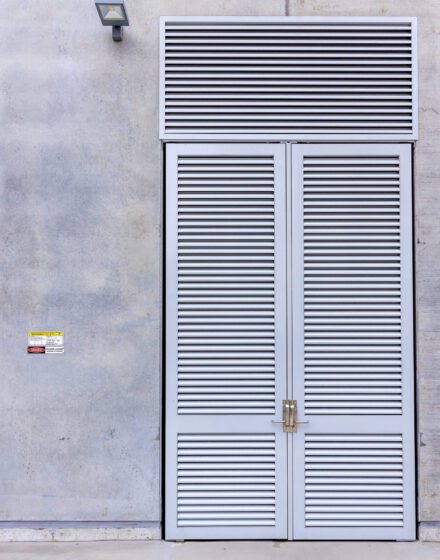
{"x":353,"y":371}
{"x":230,"y":472}
{"x":226,"y":461}
{"x":293,"y":78}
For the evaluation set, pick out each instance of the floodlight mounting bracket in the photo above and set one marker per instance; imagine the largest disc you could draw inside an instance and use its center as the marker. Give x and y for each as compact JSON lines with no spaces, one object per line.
{"x":117,"y":33}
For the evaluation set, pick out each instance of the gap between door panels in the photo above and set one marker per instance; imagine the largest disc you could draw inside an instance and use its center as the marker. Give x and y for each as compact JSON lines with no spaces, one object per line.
{"x":288,"y":195}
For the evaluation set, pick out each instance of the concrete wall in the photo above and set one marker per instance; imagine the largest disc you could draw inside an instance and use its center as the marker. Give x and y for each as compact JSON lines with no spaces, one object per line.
{"x":80,"y":176}
{"x":427,"y":232}
{"x":80,"y":172}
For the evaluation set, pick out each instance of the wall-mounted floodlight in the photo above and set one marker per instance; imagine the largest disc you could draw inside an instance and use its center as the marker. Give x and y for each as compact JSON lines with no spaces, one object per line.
{"x":114,"y":14}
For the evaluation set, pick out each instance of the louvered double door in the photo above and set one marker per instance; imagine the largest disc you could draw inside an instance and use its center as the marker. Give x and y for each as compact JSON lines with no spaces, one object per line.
{"x":288,"y":276}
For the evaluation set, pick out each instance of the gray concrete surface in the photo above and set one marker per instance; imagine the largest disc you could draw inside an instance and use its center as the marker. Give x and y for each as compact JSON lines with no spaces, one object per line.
{"x":427,"y":230}
{"x":80,"y":216}
{"x":242,"y":550}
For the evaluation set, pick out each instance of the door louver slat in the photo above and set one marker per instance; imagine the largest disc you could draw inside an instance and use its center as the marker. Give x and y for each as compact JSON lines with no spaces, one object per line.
{"x":294,"y":78}
{"x":353,"y":481}
{"x":226,"y":252}
{"x":226,"y":480}
{"x":352,"y":272}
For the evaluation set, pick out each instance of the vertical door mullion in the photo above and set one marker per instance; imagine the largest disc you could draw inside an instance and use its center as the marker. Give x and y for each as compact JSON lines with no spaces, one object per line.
{"x":290,"y":310}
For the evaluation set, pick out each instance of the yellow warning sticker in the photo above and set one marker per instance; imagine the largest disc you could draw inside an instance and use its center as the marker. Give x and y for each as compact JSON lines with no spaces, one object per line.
{"x":45,"y":334}
{"x":45,"y":342}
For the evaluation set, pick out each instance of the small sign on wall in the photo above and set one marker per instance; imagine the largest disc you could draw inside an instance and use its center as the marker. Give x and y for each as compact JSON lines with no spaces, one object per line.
{"x":45,"y":343}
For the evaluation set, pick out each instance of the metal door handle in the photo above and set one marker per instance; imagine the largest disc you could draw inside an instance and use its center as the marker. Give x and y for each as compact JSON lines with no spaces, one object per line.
{"x":289,"y":421}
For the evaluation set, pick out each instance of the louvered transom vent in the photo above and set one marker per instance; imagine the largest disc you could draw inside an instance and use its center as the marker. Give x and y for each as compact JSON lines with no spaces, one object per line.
{"x":354,"y":480}
{"x":226,"y":290}
{"x":226,"y":480}
{"x":352,"y":285}
{"x":290,"y":77}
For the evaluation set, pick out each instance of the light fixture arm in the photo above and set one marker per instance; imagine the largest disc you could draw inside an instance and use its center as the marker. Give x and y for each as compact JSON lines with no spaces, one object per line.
{"x":117,"y":33}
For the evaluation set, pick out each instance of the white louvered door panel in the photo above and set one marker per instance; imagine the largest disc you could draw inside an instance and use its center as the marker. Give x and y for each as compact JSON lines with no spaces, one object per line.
{"x":226,"y":461}
{"x":353,"y":371}
{"x":293,"y":78}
